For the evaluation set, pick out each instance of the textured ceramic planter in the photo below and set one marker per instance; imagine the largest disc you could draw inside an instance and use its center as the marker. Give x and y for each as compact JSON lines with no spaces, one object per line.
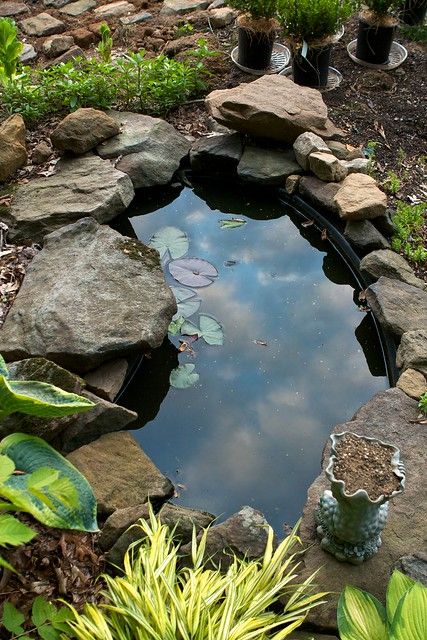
{"x":350,"y":526}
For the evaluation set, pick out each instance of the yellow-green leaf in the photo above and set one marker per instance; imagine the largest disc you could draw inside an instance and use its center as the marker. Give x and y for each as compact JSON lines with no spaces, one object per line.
{"x":410,"y":619}
{"x":398,"y":585}
{"x":360,"y":616}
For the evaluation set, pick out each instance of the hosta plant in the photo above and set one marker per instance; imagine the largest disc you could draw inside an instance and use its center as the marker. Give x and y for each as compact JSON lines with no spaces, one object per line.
{"x":155,"y":599}
{"x":361,"y":616}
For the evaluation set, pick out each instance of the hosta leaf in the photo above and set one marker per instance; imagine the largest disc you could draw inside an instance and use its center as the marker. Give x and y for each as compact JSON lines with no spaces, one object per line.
{"x":410,"y":619}
{"x":210,"y":330}
{"x":3,"y":368}
{"x":398,"y":585}
{"x":39,"y":399}
{"x":231,"y":224}
{"x":71,"y":497}
{"x":7,"y":467}
{"x":183,"y":376}
{"x":170,"y":239}
{"x":14,"y":532}
{"x":360,"y":616}
{"x":13,"y":619}
{"x":193,"y":272}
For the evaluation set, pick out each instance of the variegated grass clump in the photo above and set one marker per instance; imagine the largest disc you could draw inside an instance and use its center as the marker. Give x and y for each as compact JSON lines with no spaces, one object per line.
{"x":155,"y":599}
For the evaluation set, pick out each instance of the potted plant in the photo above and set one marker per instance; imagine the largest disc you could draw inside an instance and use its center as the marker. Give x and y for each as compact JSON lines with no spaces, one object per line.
{"x":312,"y":26}
{"x":256,"y":28}
{"x":414,"y":12}
{"x":365,"y":474}
{"x":377,"y":25}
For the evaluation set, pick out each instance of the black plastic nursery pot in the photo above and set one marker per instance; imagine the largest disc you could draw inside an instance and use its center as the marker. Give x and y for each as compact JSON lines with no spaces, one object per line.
{"x":312,"y":69}
{"x":414,"y":12}
{"x":255,"y":47}
{"x":374,"y":42}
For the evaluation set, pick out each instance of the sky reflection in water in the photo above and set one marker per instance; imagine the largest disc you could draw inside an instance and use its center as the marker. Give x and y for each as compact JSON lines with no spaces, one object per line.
{"x":252,"y":430}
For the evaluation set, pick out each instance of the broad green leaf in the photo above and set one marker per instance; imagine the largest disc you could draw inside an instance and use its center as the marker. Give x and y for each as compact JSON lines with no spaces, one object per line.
{"x":3,"y":368}
{"x":47,"y":632}
{"x":41,"y":611}
{"x":39,"y":399}
{"x":397,"y":587}
{"x":210,"y":330}
{"x":172,"y":240}
{"x":7,"y":467}
{"x":183,"y":376}
{"x":231,"y":224}
{"x":175,"y":326}
{"x":360,"y":616}
{"x":71,"y":497}
{"x":13,"y":532}
{"x":13,"y":619}
{"x":186,"y":303}
{"x":410,"y":619}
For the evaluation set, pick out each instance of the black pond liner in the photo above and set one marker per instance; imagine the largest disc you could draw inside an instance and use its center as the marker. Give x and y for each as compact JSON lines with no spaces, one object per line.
{"x":306,"y":212}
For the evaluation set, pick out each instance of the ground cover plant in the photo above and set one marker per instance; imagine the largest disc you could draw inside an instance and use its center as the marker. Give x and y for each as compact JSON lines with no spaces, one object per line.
{"x":157,"y":599}
{"x":409,"y":236}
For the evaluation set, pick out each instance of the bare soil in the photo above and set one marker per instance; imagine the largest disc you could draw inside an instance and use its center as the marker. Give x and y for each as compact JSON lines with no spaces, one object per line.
{"x":365,"y":464}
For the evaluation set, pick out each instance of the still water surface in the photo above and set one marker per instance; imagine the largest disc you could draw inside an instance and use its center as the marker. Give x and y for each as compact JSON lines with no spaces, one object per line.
{"x":252,"y":430}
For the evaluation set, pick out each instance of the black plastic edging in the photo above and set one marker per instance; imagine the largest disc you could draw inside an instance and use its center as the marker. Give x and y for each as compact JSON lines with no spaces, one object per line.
{"x":303,"y":210}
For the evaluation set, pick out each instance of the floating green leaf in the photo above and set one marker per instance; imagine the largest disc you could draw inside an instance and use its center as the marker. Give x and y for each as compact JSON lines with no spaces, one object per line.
{"x":234,"y":223}
{"x":193,"y":272}
{"x":209,"y":329}
{"x":183,"y":376}
{"x":187,"y":306}
{"x":39,"y":399}
{"x":172,"y":240}
{"x":51,"y":488}
{"x":175,"y":325}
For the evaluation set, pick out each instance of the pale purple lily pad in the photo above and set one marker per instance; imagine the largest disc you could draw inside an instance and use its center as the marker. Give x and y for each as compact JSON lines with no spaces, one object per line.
{"x":193,"y":272}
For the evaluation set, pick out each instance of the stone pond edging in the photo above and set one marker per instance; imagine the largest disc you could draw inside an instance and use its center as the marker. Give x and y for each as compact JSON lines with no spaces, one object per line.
{"x":81,"y":258}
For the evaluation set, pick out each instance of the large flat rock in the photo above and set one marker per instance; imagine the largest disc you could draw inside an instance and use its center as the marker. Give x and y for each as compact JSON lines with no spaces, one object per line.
{"x":151,"y":149}
{"x":398,"y":306}
{"x":13,"y":152}
{"x":389,"y":416}
{"x":80,"y":187}
{"x":120,"y":473}
{"x":272,"y":107}
{"x":89,"y":296}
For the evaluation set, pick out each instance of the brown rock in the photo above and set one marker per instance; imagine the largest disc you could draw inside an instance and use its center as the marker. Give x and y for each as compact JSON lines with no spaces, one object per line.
{"x":8,"y":9}
{"x":119,"y":8}
{"x":220,"y":18}
{"x":107,"y":380}
{"x":319,"y":193}
{"x":13,"y":153}
{"x":412,"y":351}
{"x":345,"y":151}
{"x":398,"y":306}
{"x":360,"y":199}
{"x":327,"y":167}
{"x":292,"y":184}
{"x":83,"y":130}
{"x":57,"y":45}
{"x":120,"y":473}
{"x":389,"y":416}
{"x":306,"y":144}
{"x":42,"y":25}
{"x":41,"y":152}
{"x":272,"y":107}
{"x":83,"y":37}
{"x":392,"y":265}
{"x":413,"y":383}
{"x":79,"y":7}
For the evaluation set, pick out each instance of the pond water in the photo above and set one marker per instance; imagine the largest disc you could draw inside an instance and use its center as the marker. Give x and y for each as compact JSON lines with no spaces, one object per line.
{"x":298,"y":355}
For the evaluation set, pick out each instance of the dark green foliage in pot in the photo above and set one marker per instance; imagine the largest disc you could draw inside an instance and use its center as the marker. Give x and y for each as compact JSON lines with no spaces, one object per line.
{"x":314,"y":21}
{"x":382,"y":7}
{"x":361,"y":616}
{"x":257,"y":9}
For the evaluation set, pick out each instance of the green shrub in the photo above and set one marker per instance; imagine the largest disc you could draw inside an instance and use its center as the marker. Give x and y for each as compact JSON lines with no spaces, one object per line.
{"x":382,"y":7}
{"x":360,"y":616}
{"x":155,"y":599}
{"x":313,"y":20}
{"x":10,"y":49}
{"x":422,"y":405}
{"x":408,"y":239}
{"x":257,"y":9}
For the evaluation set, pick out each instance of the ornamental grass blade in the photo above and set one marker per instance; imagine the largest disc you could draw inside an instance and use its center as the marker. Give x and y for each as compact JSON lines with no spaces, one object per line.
{"x":193,"y":272}
{"x":172,"y":240}
{"x":183,"y":376}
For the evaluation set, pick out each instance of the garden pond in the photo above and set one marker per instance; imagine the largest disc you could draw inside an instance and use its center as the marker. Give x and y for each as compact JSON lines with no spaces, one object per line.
{"x":299,"y":355}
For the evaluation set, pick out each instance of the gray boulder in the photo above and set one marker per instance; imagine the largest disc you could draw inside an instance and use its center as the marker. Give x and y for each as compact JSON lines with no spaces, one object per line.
{"x":57,"y":45}
{"x":267,"y":166}
{"x":83,"y":130}
{"x":89,"y":296}
{"x":319,"y":193}
{"x":79,"y":7}
{"x":120,"y":473}
{"x":306,"y":144}
{"x":151,"y":149}
{"x":107,"y":380}
{"x":364,"y":235}
{"x":216,"y":154}
{"x":392,"y":265}
{"x":179,"y":7}
{"x":42,"y":25}
{"x":398,"y":306}
{"x":414,"y":566}
{"x":412,"y":351}
{"x":389,"y":416}
{"x":86,"y":186}
{"x":327,"y":167}
{"x":115,"y":9}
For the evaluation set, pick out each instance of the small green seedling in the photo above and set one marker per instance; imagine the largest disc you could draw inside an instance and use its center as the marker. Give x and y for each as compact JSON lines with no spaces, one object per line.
{"x":10,"y":50}
{"x":106,"y":45}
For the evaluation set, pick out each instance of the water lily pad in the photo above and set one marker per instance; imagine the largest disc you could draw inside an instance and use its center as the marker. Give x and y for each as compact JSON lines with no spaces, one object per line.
{"x":234,"y":223}
{"x":175,"y":325}
{"x":209,"y":329}
{"x":172,"y":240}
{"x":183,"y":376}
{"x":193,"y":272}
{"x":186,"y":305}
